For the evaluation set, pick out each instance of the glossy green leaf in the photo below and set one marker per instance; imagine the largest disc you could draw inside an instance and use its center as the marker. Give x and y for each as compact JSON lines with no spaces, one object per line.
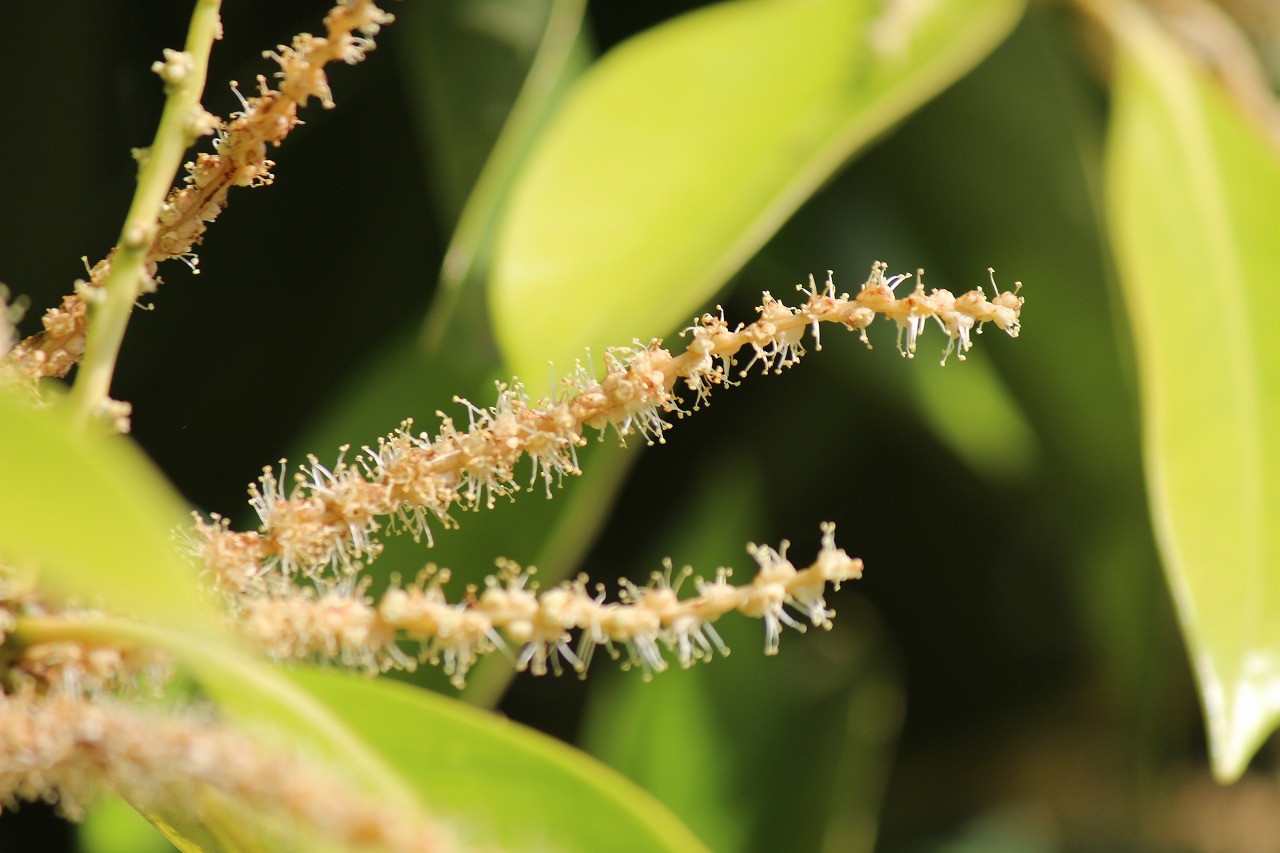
{"x":1194,"y":198}
{"x":684,"y":149}
{"x":506,"y":786}
{"x":93,"y":516}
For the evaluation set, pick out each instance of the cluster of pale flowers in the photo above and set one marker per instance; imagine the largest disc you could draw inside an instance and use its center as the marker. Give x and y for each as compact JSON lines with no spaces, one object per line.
{"x":326,"y":525}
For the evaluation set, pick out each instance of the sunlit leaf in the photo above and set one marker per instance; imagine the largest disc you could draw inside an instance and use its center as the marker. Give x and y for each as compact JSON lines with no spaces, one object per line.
{"x":493,"y":780}
{"x":93,"y":515}
{"x":686,"y":147}
{"x":507,"y":785}
{"x":1194,"y":198}
{"x":113,"y":825}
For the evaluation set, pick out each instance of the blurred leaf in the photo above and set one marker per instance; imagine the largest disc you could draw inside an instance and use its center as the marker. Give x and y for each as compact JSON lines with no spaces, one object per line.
{"x":1194,"y":197}
{"x":1017,"y":186}
{"x":685,"y":148}
{"x":466,"y":61}
{"x":114,"y":825}
{"x":503,"y":784}
{"x":996,"y":172}
{"x":94,"y":516}
{"x":255,"y":694}
{"x":684,"y":735}
{"x":493,"y":780}
{"x":971,"y":410}
{"x":544,"y":68}
{"x":1007,"y":829}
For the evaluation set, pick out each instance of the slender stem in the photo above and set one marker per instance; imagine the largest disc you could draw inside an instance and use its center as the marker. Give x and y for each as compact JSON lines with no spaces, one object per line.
{"x":108,"y":630}
{"x":129,"y":277}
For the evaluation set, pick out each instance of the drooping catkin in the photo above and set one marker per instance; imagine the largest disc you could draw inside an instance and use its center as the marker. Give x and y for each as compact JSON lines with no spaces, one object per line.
{"x":329,"y":519}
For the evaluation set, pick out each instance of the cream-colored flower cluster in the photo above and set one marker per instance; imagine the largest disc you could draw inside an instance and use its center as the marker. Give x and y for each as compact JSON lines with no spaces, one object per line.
{"x":240,"y":161}
{"x":537,"y":629}
{"x":326,"y":525}
{"x":328,"y":519}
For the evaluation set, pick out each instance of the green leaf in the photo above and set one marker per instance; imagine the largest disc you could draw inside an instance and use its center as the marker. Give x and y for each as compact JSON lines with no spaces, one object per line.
{"x":497,"y":782}
{"x":684,"y":149}
{"x":505,"y":785}
{"x":971,"y":410}
{"x":253,"y":693}
{"x":466,"y":63}
{"x":93,"y":516}
{"x":472,"y":62}
{"x":114,"y":825}
{"x":1194,"y":198}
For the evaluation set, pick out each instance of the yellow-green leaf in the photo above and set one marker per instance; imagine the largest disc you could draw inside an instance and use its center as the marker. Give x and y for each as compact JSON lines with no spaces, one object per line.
{"x":680,"y":152}
{"x":494,"y":781}
{"x":1194,"y":202}
{"x":261,"y":697}
{"x":92,"y":515}
{"x":506,"y":786}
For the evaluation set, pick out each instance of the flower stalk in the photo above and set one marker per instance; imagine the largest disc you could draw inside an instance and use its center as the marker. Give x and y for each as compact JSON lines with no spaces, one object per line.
{"x":327,"y":527}
{"x":159,"y":228}
{"x":328,"y":520}
{"x":536,"y":629}
{"x":131,"y":275}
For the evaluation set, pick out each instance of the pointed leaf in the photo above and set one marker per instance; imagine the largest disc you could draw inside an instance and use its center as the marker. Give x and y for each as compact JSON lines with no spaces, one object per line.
{"x":685,"y":148}
{"x":1194,"y":198}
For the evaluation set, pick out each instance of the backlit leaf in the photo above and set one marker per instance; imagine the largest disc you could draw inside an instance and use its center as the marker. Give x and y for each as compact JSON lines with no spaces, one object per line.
{"x":1194,"y":198}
